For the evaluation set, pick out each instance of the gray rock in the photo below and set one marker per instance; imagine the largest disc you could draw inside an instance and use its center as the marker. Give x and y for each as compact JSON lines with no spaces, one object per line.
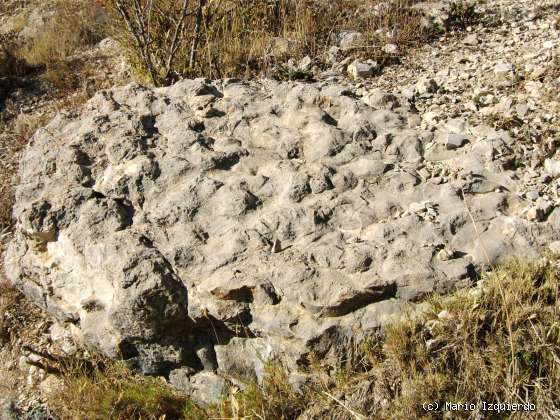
{"x":552,"y":167}
{"x":554,"y":247}
{"x":471,"y":39}
{"x":379,"y":99}
{"x":209,"y":226}
{"x":426,"y":86}
{"x":456,"y":126}
{"x":504,"y":73}
{"x":522,"y":110}
{"x":532,"y":195}
{"x":503,"y":69}
{"x":305,"y":63}
{"x":244,"y":359}
{"x":362,"y":69}
{"x":535,"y":214}
{"x":456,"y":141}
{"x":391,"y":49}
{"x":348,"y":39}
{"x":204,"y":388}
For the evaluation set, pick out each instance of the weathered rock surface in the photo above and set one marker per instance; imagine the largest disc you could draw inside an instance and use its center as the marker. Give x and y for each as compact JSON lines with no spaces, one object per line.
{"x":209,"y":227}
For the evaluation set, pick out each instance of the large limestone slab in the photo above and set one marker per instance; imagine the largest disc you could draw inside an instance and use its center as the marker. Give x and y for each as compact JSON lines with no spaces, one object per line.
{"x":199,"y":225}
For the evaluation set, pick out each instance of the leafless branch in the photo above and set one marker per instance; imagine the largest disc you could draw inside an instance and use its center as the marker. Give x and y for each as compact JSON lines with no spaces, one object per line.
{"x":196,"y":37}
{"x":177,"y":38}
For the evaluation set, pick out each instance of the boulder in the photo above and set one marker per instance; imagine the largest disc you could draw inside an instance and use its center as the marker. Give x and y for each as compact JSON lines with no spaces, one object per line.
{"x":202,"y":229}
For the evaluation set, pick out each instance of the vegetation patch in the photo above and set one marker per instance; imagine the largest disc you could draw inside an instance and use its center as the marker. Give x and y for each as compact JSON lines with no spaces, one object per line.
{"x":462,"y":13}
{"x":113,"y":391}
{"x":168,"y":40}
{"x":71,"y":26}
{"x":497,"y":343}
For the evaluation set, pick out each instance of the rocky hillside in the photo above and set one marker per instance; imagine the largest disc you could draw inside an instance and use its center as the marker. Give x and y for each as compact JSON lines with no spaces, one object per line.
{"x":201,"y":230}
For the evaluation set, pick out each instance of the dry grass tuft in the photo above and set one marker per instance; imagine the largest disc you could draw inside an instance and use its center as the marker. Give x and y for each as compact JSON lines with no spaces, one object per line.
{"x":500,"y":343}
{"x":20,"y":322}
{"x":27,"y":124}
{"x":275,"y":399}
{"x":19,"y":318}
{"x":113,"y":391}
{"x":11,"y":65}
{"x":8,"y":300}
{"x":73,"y":25}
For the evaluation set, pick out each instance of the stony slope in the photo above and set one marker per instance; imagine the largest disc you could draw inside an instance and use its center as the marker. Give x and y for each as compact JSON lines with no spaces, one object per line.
{"x":202,"y":228}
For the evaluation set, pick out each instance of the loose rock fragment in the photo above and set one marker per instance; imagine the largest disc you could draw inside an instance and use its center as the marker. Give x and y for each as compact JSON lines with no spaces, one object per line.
{"x":456,"y":141}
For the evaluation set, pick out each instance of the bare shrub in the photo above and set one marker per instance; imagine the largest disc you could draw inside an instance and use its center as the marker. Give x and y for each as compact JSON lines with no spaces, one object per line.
{"x":232,"y":38}
{"x":462,"y":13}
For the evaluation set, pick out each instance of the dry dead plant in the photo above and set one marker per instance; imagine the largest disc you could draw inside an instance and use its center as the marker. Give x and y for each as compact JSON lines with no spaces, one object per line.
{"x":233,"y":38}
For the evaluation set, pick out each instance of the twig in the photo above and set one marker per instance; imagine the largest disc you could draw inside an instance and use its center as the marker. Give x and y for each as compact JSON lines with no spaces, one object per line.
{"x":354,"y":414}
{"x":196,"y":36}
{"x":177,"y":37}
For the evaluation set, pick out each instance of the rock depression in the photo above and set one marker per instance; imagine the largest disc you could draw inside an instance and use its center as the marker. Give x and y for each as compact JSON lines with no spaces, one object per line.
{"x":202,"y":229}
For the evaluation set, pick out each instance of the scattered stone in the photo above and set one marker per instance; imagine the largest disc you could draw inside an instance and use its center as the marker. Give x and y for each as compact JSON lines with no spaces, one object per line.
{"x":362,"y":69}
{"x":379,"y":99}
{"x":456,"y":126}
{"x":522,"y":110}
{"x":348,"y":39}
{"x":456,"y":141}
{"x":414,"y":120}
{"x":545,"y":205}
{"x":305,"y":63}
{"x":426,"y":85}
{"x":535,"y":214}
{"x":445,"y":315}
{"x":554,"y":247}
{"x":505,"y":73}
{"x":204,"y":388}
{"x":532,"y":195}
{"x":433,"y":344}
{"x":552,"y":167}
{"x":446,"y":254}
{"x":502,"y":69}
{"x":471,"y":39}
{"x":417,"y":207}
{"x":391,"y":49}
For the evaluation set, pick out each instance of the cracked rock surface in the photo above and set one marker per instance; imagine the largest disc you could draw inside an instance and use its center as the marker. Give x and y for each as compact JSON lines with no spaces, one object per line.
{"x":207,"y":227}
